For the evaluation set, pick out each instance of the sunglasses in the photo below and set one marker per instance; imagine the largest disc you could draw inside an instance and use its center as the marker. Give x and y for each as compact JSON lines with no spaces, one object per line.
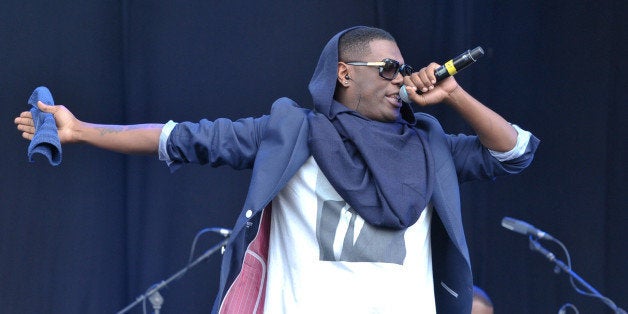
{"x":388,"y":68}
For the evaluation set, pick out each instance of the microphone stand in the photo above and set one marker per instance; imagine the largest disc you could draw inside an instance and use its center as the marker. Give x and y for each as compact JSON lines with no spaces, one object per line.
{"x":153,"y":293}
{"x":536,"y":246}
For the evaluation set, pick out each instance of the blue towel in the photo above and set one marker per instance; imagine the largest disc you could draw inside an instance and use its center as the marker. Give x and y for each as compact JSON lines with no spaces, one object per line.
{"x":46,"y":139}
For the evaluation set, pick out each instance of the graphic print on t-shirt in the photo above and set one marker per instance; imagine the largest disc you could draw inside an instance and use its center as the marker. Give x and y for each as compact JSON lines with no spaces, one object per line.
{"x":343,"y":235}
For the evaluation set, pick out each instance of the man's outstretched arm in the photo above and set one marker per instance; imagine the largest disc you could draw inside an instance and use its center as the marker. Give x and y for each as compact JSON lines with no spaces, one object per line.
{"x":127,"y":139}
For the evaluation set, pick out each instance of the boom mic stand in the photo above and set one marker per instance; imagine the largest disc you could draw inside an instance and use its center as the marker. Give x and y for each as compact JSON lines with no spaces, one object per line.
{"x":153,"y":293}
{"x":536,"y":246}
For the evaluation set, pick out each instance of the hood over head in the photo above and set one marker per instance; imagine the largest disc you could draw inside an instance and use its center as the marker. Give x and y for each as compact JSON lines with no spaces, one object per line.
{"x":323,"y":83}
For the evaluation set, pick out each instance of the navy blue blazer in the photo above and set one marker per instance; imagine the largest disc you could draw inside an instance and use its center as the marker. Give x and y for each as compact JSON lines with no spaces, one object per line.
{"x":275,"y":147}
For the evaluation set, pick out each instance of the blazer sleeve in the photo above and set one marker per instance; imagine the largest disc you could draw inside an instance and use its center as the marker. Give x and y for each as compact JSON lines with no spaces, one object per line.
{"x":473,"y":161}
{"x":219,"y":142}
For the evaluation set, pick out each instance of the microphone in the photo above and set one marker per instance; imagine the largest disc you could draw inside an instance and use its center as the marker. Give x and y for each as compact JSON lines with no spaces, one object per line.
{"x":450,"y":68}
{"x":524,"y":228}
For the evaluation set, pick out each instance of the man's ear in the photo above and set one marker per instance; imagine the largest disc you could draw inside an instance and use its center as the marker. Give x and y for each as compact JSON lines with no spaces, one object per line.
{"x":343,"y":73}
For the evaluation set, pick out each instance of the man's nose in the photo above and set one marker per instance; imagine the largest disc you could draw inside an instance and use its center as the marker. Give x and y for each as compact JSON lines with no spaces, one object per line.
{"x":398,"y":80}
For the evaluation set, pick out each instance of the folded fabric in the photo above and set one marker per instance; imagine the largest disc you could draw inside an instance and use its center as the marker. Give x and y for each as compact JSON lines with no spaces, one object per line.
{"x":46,"y":139}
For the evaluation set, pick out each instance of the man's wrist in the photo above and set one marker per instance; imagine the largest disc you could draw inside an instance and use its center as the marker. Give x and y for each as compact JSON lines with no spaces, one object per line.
{"x":77,"y":133}
{"x":456,"y":97}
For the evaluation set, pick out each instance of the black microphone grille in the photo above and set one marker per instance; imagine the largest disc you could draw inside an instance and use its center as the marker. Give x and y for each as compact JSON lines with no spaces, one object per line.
{"x":476,"y":53}
{"x":508,"y":223}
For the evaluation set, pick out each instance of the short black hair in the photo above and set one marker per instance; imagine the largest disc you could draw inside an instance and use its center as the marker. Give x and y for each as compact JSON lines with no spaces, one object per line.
{"x":355,"y":43}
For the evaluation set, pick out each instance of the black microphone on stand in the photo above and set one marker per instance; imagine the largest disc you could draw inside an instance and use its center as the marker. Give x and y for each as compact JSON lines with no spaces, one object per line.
{"x":532,"y":233}
{"x":524,"y":228}
{"x":450,"y":68}
{"x":153,"y":295}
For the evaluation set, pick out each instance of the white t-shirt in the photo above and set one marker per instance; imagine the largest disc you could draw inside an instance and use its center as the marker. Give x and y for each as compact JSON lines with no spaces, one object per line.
{"x":323,"y":257}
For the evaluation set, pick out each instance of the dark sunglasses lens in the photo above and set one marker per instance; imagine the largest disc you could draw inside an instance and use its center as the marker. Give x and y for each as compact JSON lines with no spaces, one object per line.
{"x":406,"y":70}
{"x":389,"y":69}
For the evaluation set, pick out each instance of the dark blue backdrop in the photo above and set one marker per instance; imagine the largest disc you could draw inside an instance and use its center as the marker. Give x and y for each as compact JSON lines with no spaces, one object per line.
{"x":90,"y":235}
